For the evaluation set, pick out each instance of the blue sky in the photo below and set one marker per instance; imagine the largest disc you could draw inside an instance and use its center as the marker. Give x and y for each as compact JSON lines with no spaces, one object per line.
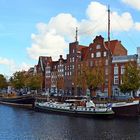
{"x":30,"y":28}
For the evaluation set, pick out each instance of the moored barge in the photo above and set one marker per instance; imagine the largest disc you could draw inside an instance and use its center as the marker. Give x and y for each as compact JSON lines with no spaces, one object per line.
{"x":126,"y":108}
{"x":71,"y":109}
{"x":21,"y":101}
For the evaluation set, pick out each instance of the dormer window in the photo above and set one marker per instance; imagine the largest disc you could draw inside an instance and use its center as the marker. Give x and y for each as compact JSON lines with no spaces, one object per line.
{"x":98,"y":46}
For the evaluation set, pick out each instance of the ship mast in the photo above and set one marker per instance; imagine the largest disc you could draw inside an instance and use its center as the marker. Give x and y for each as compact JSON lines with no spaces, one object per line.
{"x":76,"y":61}
{"x":108,"y":27}
{"x":109,"y":56}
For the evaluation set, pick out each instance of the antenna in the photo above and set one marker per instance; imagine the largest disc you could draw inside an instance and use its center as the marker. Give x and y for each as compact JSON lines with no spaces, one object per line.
{"x":76,"y":36}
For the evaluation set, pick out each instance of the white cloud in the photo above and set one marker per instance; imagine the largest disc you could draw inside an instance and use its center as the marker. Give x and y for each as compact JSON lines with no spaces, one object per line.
{"x":5,"y":61}
{"x":47,"y":44}
{"x":137,"y":26}
{"x":96,"y":10}
{"x":12,"y":66}
{"x":133,"y":3}
{"x":98,"y":18}
{"x":53,"y":37}
{"x":63,"y":24}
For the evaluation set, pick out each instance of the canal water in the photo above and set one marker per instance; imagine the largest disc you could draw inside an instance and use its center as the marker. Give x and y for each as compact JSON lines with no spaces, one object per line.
{"x":23,"y":124}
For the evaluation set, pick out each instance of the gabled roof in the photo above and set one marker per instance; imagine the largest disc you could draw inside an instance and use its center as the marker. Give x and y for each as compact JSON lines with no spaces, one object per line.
{"x":112,"y":45}
{"x":80,"y":47}
{"x":43,"y":60}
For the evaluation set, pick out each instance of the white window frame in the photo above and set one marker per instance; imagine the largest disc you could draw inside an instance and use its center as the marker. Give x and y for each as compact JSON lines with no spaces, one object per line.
{"x":116,"y":80}
{"x":105,"y":53}
{"x":98,"y":54}
{"x":98,"y":46}
{"x":106,"y":62}
{"x":116,"y":70}
{"x":73,"y":50}
{"x":122,"y":69}
{"x":106,"y":71}
{"x":92,"y":55}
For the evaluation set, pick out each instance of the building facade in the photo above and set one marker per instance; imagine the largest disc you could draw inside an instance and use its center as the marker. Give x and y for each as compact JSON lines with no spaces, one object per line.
{"x":62,"y":76}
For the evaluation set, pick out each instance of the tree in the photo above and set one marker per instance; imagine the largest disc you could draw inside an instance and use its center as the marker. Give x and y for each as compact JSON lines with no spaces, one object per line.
{"x":18,"y":79}
{"x":22,"y":79}
{"x":93,"y":77}
{"x":34,"y":82}
{"x":130,"y":79}
{"x":3,"y":82}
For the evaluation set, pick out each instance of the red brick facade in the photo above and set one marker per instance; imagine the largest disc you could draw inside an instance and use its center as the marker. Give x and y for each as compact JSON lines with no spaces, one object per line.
{"x":62,"y":75}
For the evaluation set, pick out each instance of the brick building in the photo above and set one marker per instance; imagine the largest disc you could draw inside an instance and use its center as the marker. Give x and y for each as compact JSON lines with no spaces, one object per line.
{"x":44,"y":67}
{"x":118,"y":68}
{"x":62,"y":75}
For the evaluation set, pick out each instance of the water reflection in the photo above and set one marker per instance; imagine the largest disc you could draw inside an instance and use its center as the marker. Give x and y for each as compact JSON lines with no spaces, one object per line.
{"x":22,"y":124}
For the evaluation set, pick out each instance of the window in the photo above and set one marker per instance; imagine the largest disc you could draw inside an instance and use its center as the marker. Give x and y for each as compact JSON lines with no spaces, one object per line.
{"x":98,"y":46}
{"x":104,"y":54}
{"x":72,"y":66}
{"x":73,"y":51}
{"x":91,"y":63}
{"x":116,"y":80}
{"x":121,"y":81}
{"x":106,"y":62}
{"x":92,"y":55}
{"x":106,"y":71}
{"x":116,"y":70}
{"x":98,"y":54}
{"x":122,"y":69}
{"x":79,"y":66}
{"x":73,"y":59}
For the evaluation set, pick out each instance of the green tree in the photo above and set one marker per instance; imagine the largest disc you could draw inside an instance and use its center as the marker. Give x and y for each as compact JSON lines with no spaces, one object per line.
{"x":3,"y":82}
{"x":18,"y":79}
{"x":34,"y":82}
{"x":130,"y":79}
{"x":23,"y":79}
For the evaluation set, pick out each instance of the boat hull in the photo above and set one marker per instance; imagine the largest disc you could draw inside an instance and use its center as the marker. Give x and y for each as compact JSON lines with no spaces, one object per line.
{"x":72,"y":112}
{"x":22,"y":101}
{"x":130,"y":109}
